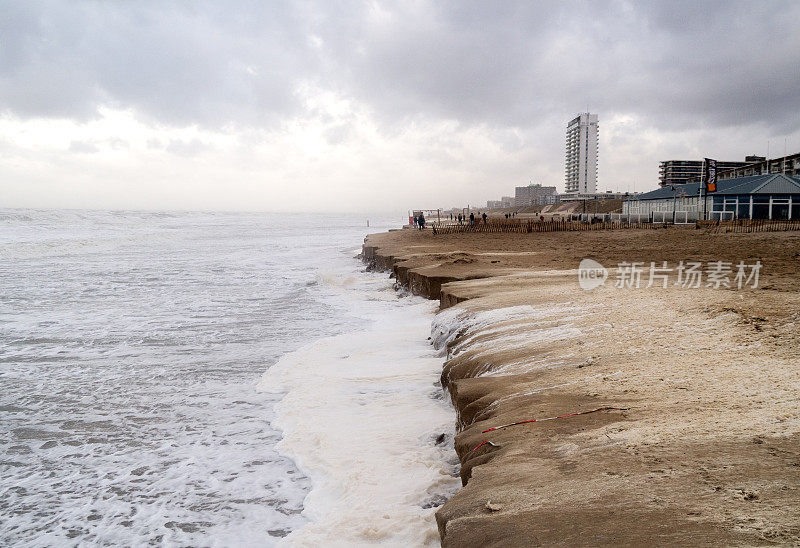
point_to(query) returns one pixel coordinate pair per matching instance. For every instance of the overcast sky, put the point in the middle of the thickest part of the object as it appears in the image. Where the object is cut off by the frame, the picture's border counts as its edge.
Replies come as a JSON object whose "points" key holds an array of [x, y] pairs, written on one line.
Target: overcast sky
{"points": [[376, 106]]}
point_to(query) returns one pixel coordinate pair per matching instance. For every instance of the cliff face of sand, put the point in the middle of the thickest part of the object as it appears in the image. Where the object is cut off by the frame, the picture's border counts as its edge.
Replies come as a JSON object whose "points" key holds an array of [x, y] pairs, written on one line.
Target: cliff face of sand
{"points": [[707, 450]]}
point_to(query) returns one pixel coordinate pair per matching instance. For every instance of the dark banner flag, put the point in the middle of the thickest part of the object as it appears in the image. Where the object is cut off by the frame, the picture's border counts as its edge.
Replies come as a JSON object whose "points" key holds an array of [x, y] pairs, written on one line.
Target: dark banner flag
{"points": [[711, 175]]}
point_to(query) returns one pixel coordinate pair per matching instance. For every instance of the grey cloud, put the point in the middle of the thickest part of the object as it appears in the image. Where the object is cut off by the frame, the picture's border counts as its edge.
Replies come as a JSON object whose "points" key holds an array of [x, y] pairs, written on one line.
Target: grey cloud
{"points": [[93, 146], [338, 134], [679, 65], [174, 63], [83, 147], [118, 144], [191, 147]]}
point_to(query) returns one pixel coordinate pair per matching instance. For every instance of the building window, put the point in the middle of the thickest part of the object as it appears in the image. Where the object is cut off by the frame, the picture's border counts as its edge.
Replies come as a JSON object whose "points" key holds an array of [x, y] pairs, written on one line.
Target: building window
{"points": [[743, 211], [760, 207], [780, 211]]}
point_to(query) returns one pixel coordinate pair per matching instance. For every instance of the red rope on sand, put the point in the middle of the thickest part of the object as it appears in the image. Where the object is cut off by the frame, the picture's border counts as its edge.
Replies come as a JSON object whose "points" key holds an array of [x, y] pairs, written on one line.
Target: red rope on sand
{"points": [[487, 442], [481, 444], [553, 418]]}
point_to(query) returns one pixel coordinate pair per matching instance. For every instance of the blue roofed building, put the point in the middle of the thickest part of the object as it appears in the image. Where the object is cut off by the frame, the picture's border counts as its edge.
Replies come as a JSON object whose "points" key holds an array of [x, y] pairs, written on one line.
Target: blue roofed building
{"points": [[775, 196]]}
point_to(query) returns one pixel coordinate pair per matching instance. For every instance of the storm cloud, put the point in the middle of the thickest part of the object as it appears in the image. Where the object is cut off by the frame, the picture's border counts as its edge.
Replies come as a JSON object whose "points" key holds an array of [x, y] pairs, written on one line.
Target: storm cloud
{"points": [[515, 72]]}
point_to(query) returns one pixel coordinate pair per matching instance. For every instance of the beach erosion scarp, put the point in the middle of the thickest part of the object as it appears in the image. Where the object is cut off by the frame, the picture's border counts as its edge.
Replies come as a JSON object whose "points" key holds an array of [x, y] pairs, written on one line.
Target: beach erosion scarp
{"points": [[678, 416]]}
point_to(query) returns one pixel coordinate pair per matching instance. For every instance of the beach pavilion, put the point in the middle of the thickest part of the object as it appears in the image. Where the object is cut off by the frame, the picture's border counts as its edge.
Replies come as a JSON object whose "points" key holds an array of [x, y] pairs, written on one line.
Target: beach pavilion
{"points": [[769, 196]]}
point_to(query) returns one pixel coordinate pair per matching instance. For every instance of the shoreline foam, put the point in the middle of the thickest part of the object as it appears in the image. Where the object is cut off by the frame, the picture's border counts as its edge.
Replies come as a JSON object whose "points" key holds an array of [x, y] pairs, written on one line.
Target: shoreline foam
{"points": [[358, 418]]}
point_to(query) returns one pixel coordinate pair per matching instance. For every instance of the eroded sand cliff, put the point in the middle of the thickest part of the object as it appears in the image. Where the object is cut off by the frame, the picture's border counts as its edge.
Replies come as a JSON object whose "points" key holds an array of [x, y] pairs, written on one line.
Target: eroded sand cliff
{"points": [[708, 451]]}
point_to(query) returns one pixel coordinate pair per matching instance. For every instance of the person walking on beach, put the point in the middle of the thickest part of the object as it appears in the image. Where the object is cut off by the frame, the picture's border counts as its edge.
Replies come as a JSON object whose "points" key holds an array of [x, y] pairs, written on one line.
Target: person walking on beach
{"points": [[421, 221], [471, 219]]}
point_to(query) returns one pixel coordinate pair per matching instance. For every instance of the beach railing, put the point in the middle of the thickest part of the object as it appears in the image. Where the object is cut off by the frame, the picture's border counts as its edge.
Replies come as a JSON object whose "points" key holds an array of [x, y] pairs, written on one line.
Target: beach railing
{"points": [[678, 217], [630, 217], [602, 217], [749, 225]]}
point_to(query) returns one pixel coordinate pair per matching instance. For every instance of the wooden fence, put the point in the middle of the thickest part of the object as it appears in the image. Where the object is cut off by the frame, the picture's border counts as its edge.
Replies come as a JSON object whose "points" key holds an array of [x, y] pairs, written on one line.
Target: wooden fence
{"points": [[527, 226], [748, 225], [524, 226]]}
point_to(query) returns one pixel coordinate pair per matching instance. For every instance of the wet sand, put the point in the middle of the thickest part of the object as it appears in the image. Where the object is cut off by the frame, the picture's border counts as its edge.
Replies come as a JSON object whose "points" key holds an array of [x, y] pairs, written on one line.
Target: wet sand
{"points": [[708, 452]]}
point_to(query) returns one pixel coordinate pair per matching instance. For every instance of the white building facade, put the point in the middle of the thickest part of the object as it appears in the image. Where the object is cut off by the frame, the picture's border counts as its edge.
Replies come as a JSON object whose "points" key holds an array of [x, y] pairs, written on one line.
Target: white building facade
{"points": [[583, 134]]}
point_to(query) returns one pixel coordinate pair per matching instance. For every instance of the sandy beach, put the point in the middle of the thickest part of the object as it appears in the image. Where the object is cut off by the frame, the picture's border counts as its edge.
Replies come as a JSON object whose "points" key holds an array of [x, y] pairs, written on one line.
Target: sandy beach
{"points": [[703, 446]]}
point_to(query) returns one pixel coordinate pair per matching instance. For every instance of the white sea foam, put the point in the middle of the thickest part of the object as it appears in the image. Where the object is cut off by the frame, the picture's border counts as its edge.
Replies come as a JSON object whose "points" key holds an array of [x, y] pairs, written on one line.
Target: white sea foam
{"points": [[130, 349], [483, 333], [462, 323], [360, 417]]}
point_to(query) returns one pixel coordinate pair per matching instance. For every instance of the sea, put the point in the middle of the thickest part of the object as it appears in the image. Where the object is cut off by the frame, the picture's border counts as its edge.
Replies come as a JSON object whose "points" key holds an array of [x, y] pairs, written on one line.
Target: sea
{"points": [[214, 379]]}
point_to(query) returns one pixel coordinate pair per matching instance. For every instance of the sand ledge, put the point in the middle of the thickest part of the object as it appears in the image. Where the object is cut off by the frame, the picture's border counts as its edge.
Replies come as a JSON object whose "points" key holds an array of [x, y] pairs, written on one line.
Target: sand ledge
{"points": [[708, 453]]}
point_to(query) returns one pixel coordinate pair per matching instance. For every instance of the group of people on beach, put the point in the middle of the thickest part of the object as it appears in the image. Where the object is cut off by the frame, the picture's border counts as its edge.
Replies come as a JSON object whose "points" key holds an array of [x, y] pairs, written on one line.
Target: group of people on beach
{"points": [[419, 220], [462, 218]]}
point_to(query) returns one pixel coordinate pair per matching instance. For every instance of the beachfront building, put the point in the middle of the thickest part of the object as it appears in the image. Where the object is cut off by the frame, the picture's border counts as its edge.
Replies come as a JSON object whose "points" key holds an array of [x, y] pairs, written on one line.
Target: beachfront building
{"points": [[504, 202], [680, 172], [607, 195], [788, 165], [583, 135], [766, 196], [535, 195]]}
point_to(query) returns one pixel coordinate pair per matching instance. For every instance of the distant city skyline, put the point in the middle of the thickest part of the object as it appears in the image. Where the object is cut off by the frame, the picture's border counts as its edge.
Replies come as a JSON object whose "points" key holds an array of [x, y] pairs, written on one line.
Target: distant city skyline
{"points": [[376, 107]]}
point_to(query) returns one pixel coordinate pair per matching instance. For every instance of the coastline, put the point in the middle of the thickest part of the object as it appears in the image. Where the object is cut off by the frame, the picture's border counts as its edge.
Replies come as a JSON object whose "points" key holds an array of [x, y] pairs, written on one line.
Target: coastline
{"points": [[706, 452], [367, 483]]}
